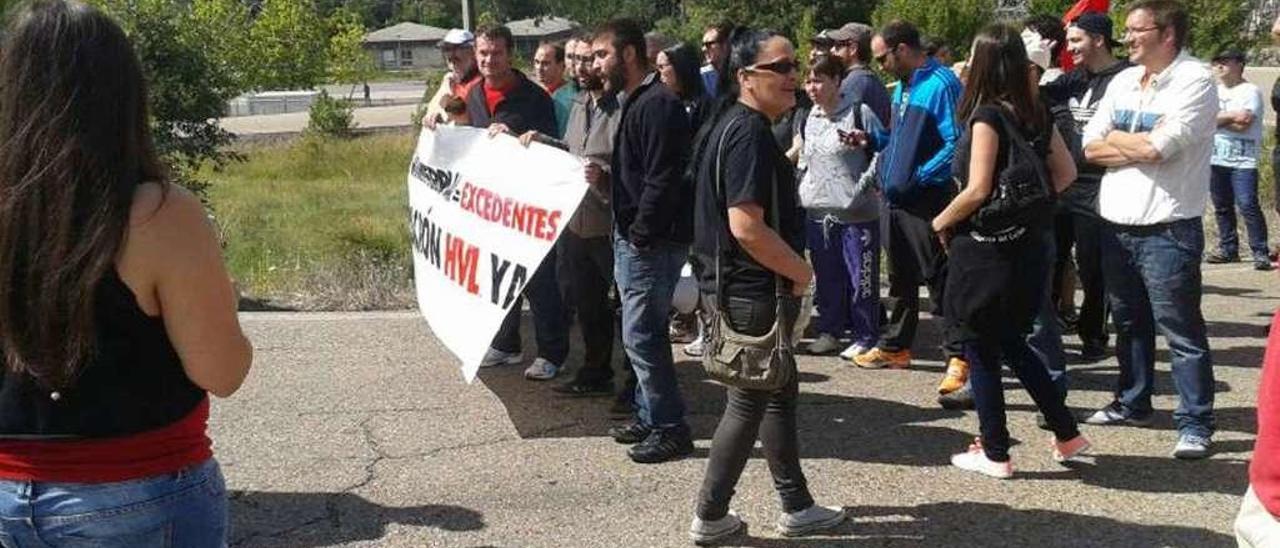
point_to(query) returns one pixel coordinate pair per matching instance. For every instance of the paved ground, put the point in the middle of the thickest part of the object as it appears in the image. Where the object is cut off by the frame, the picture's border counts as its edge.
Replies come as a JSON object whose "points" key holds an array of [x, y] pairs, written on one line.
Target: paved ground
{"points": [[357, 430]]}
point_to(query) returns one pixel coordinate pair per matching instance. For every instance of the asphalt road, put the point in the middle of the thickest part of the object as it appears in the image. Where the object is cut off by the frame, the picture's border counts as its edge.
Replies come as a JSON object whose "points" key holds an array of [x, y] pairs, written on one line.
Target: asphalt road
{"points": [[357, 430]]}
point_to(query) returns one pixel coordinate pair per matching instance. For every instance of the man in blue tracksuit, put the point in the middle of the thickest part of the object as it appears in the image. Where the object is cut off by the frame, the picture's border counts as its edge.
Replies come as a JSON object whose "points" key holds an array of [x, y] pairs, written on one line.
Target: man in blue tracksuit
{"points": [[915, 174]]}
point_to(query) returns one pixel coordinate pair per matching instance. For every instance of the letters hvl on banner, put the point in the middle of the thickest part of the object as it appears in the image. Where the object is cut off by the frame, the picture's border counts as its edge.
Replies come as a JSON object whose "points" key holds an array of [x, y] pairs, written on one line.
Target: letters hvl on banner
{"points": [[483, 213]]}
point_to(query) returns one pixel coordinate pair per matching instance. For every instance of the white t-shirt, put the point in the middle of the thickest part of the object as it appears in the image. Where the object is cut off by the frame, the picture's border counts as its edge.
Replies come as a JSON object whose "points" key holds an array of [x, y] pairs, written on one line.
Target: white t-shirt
{"points": [[1239, 149], [1179, 110]]}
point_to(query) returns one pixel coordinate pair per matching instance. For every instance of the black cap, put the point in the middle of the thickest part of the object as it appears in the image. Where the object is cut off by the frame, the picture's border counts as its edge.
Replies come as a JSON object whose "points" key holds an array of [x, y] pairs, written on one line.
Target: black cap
{"points": [[1093, 22], [1230, 55]]}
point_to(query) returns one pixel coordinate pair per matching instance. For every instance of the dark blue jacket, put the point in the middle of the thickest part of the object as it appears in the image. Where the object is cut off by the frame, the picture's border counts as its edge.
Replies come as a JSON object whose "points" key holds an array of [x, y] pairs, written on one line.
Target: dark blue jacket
{"points": [[652, 201]]}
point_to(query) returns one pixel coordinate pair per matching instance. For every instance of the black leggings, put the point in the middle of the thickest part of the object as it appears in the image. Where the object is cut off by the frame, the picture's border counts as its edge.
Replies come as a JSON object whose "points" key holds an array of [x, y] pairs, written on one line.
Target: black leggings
{"points": [[748, 414]]}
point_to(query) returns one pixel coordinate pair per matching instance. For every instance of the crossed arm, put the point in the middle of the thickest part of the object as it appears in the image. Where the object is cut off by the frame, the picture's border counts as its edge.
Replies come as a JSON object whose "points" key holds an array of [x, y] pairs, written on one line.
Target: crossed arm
{"points": [[1121, 148]]}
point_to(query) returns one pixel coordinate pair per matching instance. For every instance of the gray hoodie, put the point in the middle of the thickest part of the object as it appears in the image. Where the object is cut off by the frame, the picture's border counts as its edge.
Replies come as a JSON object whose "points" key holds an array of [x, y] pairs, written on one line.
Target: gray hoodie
{"points": [[831, 182]]}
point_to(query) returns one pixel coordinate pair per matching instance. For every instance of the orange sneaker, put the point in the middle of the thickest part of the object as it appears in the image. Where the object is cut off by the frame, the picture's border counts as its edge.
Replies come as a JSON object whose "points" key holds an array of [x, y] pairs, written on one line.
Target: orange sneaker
{"points": [[957, 375], [880, 359], [1064, 451]]}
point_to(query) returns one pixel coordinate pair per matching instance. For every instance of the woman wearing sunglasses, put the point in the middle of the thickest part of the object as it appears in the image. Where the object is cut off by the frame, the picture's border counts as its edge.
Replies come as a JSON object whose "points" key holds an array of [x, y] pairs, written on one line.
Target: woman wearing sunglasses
{"points": [[749, 231], [997, 271]]}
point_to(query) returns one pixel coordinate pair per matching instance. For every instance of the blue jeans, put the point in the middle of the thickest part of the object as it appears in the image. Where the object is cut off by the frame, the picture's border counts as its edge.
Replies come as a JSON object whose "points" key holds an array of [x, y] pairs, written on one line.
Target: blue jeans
{"points": [[647, 281], [1153, 280], [846, 267], [1231, 188], [1046, 335], [186, 509]]}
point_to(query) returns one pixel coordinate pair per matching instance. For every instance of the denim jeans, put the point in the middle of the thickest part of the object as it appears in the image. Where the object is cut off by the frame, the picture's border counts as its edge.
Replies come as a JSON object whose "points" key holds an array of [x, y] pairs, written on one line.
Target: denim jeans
{"points": [[1046, 335], [646, 280], [1153, 280], [769, 416], [186, 509], [1236, 188], [846, 268], [550, 322]]}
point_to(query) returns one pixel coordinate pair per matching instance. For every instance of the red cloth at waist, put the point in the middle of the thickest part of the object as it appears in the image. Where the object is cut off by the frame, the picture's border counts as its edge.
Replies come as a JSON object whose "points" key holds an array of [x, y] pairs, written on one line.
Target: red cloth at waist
{"points": [[1264, 471], [161, 451]]}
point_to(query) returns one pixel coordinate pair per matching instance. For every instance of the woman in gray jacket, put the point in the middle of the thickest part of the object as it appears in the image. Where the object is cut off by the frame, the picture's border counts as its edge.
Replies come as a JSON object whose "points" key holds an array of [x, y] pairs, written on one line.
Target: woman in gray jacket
{"points": [[842, 208]]}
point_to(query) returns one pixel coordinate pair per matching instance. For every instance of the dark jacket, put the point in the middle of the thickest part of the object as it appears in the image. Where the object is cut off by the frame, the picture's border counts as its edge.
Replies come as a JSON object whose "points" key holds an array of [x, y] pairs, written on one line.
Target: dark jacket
{"points": [[1080, 91], [651, 200], [526, 107]]}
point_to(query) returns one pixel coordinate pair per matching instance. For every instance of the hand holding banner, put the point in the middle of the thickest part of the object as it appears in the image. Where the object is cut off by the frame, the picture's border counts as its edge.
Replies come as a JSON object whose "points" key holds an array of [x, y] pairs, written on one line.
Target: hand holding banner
{"points": [[483, 213]]}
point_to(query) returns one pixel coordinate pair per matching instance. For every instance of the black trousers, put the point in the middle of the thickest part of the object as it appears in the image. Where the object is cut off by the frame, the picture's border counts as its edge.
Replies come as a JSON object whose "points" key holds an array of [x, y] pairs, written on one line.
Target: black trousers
{"points": [[1085, 231], [588, 266], [915, 257], [751, 414]]}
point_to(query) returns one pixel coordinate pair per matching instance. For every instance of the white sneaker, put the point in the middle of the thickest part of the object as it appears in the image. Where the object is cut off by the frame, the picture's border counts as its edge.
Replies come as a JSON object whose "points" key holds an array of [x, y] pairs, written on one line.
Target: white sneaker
{"points": [[853, 350], [541, 370], [810, 520], [1191, 447], [975, 460], [704, 533], [495, 357], [694, 349]]}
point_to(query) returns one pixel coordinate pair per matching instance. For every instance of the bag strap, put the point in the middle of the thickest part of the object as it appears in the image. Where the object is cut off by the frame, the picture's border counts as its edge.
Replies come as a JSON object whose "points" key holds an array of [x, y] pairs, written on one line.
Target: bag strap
{"points": [[1020, 143], [724, 202]]}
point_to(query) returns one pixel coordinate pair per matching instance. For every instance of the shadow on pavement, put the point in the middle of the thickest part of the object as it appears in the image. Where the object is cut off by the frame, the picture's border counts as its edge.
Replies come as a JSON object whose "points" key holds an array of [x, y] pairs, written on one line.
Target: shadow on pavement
{"points": [[952, 524], [1209, 289], [326, 519]]}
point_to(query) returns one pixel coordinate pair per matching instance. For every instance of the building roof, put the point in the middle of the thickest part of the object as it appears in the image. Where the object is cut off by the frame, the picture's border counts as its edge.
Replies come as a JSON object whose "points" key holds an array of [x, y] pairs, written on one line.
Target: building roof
{"points": [[405, 32], [540, 26]]}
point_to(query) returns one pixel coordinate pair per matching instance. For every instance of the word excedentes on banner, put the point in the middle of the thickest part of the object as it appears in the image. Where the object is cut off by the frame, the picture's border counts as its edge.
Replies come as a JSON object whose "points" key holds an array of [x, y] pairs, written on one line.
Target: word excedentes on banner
{"points": [[460, 261], [486, 204]]}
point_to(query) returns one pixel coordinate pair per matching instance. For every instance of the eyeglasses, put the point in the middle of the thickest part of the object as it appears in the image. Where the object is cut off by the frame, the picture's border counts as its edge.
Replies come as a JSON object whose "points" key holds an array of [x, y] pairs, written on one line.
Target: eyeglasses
{"points": [[881, 58], [1128, 31], [783, 67]]}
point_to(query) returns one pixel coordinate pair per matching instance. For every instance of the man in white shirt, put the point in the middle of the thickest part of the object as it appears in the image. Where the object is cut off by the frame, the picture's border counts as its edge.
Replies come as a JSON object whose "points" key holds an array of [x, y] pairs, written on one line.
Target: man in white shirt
{"points": [[1236, 147], [1153, 132]]}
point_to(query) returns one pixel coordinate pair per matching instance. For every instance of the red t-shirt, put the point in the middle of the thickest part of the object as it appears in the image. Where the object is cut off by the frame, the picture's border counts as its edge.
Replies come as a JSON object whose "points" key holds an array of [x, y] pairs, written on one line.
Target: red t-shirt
{"points": [[161, 451], [462, 89], [1264, 471], [494, 96]]}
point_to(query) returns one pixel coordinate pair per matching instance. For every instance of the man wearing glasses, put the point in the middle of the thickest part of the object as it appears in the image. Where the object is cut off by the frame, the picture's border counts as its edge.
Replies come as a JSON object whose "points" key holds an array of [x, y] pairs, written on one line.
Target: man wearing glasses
{"points": [[915, 175], [715, 51], [1153, 131], [459, 52]]}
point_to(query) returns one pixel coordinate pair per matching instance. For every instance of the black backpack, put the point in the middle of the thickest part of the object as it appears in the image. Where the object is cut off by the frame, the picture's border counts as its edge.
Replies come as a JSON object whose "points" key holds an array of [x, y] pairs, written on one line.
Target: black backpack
{"points": [[1023, 192]]}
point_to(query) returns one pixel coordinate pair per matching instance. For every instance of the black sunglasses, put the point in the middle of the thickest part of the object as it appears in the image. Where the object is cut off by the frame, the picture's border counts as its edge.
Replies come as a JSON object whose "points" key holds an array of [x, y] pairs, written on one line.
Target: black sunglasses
{"points": [[783, 67]]}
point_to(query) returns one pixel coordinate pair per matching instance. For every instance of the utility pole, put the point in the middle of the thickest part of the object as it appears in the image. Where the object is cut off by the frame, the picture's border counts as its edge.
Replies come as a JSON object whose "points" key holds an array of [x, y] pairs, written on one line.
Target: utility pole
{"points": [[469, 15]]}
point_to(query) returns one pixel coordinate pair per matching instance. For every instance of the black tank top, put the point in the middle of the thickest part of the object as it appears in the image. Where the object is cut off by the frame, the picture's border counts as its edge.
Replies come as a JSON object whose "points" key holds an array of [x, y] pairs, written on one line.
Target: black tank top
{"points": [[134, 383]]}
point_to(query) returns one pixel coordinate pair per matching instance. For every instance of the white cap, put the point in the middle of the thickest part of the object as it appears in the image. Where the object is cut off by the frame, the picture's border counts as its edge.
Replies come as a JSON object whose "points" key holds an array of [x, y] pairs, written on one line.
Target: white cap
{"points": [[1037, 48], [459, 37]]}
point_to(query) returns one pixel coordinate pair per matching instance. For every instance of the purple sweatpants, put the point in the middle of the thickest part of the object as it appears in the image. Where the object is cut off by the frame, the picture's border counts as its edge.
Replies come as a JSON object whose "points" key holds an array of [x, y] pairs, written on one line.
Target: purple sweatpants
{"points": [[846, 265]]}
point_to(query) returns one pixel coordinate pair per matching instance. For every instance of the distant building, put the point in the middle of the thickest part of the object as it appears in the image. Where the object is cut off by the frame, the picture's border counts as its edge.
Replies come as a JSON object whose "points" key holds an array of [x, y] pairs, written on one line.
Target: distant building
{"points": [[405, 46], [529, 32]]}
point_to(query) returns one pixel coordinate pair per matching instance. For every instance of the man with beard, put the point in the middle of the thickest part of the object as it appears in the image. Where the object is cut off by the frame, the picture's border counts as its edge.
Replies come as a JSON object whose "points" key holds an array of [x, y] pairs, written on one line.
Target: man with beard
{"points": [[653, 227], [458, 49]]}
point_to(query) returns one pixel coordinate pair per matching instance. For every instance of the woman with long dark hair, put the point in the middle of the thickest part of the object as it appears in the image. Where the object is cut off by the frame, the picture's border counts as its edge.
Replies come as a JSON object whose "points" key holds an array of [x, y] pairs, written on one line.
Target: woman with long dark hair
{"points": [[116, 313], [678, 69], [997, 271], [749, 237]]}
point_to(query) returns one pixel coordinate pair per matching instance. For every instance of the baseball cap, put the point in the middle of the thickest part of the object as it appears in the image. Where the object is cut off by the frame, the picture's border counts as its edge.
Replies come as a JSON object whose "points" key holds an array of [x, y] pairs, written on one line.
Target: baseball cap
{"points": [[1093, 22], [822, 39], [459, 37], [849, 32], [1230, 55]]}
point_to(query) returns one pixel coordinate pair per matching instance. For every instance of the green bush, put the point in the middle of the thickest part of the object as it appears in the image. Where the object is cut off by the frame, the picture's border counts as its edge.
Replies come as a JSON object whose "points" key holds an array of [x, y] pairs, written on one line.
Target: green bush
{"points": [[330, 116]]}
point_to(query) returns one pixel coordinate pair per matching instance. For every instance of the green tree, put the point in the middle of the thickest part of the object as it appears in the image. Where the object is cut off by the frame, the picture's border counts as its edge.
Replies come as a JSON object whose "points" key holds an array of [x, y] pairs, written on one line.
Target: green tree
{"points": [[1215, 24], [347, 60], [955, 22], [189, 85], [289, 42]]}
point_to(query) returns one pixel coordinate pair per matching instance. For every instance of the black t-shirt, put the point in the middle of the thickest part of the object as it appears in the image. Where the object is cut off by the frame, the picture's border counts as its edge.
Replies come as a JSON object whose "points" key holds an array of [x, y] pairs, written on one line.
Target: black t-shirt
{"points": [[991, 115], [755, 170]]}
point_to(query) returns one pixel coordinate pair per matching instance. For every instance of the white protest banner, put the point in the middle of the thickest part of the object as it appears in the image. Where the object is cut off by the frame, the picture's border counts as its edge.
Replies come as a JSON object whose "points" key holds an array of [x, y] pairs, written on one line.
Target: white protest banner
{"points": [[483, 212]]}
